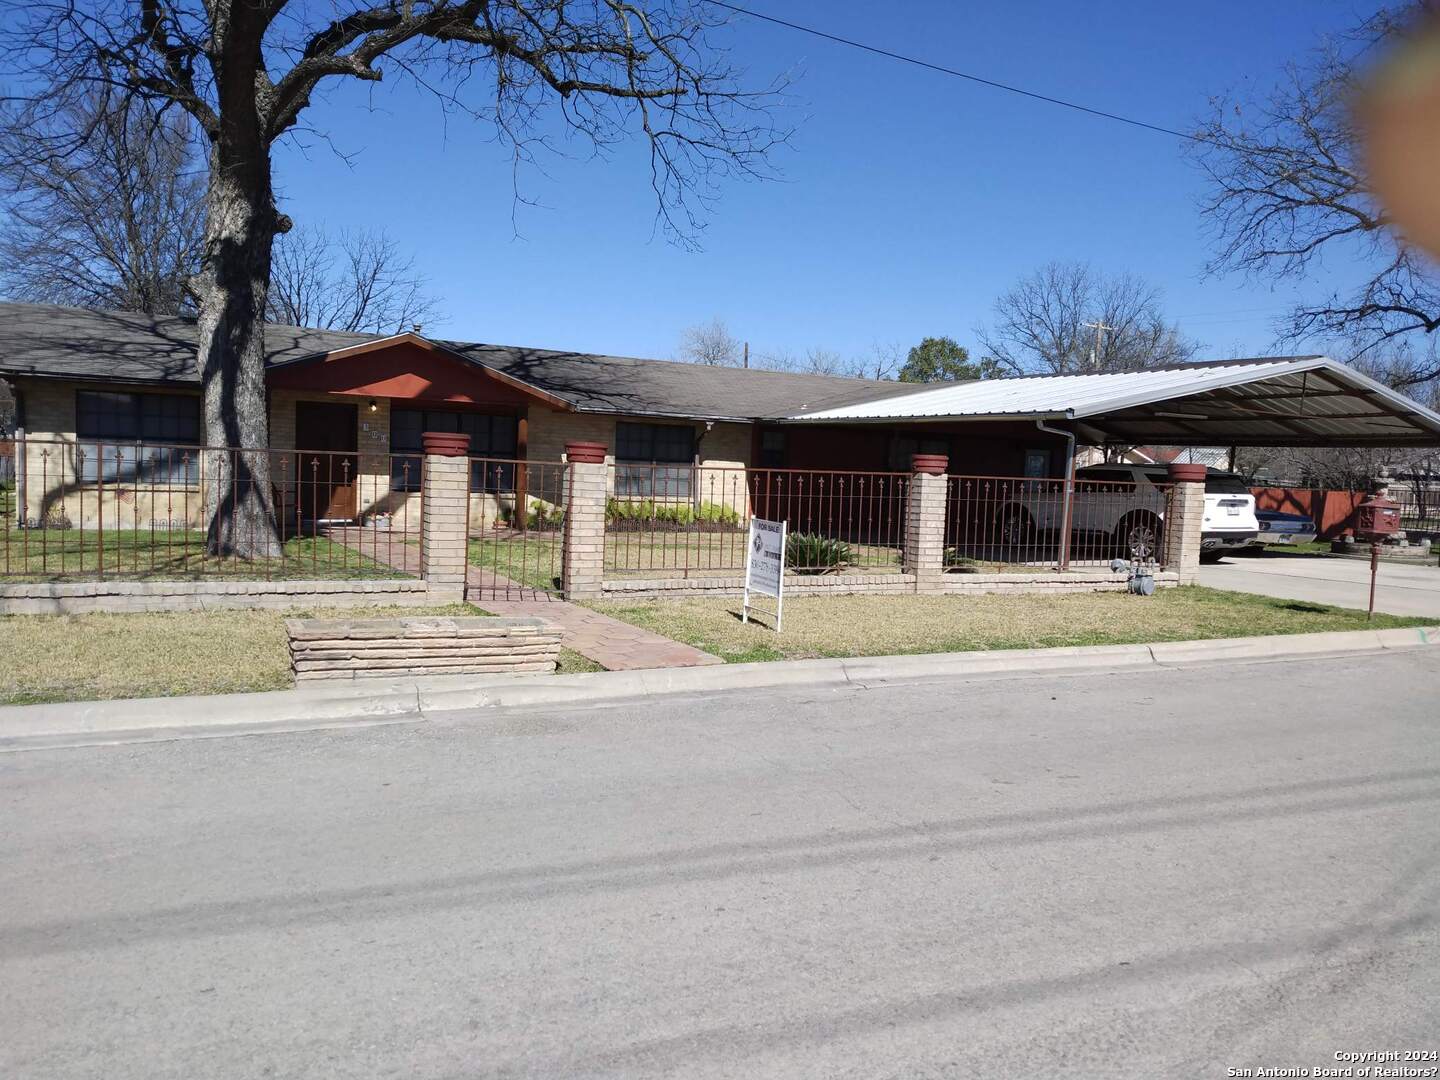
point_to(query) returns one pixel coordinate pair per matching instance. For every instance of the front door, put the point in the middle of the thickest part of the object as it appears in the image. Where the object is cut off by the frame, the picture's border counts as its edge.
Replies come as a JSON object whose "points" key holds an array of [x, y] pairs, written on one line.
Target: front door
{"points": [[325, 436]]}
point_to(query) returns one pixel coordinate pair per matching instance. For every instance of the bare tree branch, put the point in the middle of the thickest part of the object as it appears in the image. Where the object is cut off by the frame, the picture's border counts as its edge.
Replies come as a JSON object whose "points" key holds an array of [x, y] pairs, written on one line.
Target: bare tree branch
{"points": [[359, 281], [1287, 187], [116, 226], [1046, 323]]}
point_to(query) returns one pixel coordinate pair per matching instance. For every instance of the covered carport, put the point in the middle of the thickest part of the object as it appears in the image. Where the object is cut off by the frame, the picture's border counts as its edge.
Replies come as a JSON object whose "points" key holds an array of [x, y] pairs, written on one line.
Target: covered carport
{"points": [[1297, 401], [1265, 401]]}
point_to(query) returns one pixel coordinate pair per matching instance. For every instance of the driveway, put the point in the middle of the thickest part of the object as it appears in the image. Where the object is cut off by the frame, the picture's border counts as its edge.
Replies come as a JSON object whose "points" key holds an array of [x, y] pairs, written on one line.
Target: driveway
{"points": [[1402, 590], [1168, 873]]}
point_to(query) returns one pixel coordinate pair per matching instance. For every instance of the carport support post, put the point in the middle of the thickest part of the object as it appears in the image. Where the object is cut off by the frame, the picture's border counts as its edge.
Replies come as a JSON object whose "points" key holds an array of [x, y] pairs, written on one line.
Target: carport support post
{"points": [[585, 474], [925, 521], [445, 513], [1184, 511]]}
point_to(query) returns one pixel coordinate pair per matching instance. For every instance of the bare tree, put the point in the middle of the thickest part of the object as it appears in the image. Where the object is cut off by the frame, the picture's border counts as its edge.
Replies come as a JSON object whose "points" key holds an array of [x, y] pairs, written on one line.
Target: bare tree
{"points": [[247, 72], [1067, 318], [116, 224], [710, 344], [883, 362], [360, 282], [821, 361], [815, 360], [1287, 185]]}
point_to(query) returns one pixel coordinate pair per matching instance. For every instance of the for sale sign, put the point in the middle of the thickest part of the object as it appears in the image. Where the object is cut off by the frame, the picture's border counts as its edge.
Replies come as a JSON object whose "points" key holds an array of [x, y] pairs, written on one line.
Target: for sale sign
{"points": [[765, 566]]}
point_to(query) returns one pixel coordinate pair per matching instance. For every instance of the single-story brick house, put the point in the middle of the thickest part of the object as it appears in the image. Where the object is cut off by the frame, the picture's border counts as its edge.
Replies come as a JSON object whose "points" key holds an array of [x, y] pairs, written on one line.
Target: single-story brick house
{"points": [[124, 379]]}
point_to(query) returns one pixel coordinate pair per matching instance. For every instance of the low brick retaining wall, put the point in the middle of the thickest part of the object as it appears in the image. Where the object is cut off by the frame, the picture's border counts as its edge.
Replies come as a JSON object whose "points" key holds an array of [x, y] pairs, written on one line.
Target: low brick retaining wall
{"points": [[1045, 583], [398, 648], [82, 597]]}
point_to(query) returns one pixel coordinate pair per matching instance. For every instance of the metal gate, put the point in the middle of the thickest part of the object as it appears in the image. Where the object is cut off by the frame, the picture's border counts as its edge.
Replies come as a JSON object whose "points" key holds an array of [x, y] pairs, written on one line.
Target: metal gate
{"points": [[516, 529]]}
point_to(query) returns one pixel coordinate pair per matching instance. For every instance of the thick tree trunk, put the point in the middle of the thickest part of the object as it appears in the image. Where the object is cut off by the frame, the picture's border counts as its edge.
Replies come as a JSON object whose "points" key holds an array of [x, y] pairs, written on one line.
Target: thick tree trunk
{"points": [[232, 284]]}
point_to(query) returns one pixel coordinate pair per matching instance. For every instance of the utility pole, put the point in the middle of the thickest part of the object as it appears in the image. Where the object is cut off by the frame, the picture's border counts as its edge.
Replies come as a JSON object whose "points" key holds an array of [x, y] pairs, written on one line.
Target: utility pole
{"points": [[1099, 327], [747, 354]]}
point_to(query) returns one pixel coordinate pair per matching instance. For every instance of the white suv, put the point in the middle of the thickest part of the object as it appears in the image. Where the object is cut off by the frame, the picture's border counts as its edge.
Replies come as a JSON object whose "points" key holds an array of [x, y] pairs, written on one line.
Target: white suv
{"points": [[1124, 506]]}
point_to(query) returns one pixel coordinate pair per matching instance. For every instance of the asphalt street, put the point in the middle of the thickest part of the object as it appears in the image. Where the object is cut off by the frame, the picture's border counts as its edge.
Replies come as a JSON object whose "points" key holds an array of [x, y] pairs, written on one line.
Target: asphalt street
{"points": [[1146, 874]]}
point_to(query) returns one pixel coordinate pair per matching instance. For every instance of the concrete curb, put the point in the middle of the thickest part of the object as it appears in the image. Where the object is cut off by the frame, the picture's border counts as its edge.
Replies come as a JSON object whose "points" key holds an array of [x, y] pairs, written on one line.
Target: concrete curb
{"points": [[25, 727]]}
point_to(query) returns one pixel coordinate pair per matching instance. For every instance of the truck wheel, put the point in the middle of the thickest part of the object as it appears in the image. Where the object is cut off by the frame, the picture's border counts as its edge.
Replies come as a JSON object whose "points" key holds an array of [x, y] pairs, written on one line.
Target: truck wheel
{"points": [[1138, 535]]}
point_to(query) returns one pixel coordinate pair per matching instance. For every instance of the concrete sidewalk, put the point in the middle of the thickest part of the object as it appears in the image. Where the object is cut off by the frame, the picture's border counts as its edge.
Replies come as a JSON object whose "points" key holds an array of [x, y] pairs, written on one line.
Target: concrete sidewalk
{"points": [[375, 701], [1400, 590]]}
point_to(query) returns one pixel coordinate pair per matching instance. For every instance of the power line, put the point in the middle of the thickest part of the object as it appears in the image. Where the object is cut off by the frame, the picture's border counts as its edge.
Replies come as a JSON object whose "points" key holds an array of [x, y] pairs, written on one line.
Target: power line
{"points": [[837, 39]]}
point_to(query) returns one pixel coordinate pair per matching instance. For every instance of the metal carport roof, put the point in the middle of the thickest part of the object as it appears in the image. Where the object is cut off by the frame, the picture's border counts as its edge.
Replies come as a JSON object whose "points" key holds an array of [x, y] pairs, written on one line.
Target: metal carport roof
{"points": [[1266, 401]]}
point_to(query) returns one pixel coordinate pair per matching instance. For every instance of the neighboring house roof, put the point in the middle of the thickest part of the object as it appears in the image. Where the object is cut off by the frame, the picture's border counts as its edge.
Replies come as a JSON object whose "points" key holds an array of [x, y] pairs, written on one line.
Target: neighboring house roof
{"points": [[59, 342], [1265, 401]]}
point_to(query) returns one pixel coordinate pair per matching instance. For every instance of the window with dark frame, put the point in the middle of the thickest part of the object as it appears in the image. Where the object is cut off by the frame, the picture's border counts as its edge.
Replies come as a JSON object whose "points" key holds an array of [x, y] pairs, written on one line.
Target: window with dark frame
{"points": [[491, 436], [772, 449], [653, 461], [137, 438]]}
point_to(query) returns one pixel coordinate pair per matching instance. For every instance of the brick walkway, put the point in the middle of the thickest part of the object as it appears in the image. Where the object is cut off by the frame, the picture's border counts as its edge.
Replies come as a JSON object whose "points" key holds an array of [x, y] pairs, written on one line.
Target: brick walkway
{"points": [[614, 645]]}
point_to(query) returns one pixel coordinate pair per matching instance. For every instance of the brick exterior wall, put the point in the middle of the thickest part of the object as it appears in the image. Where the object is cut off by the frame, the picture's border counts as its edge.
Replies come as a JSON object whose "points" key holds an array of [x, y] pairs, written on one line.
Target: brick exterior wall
{"points": [[924, 557], [80, 598], [444, 535], [1183, 516], [1051, 583], [584, 530], [51, 473]]}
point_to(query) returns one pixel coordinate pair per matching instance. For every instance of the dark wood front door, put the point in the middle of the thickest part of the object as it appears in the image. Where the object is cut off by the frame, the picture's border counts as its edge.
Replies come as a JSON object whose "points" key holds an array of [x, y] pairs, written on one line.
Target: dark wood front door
{"points": [[325, 437]]}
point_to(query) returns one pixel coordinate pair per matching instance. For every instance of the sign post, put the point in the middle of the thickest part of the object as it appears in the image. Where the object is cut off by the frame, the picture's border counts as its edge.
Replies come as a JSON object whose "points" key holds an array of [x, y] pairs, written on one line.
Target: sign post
{"points": [[765, 567]]}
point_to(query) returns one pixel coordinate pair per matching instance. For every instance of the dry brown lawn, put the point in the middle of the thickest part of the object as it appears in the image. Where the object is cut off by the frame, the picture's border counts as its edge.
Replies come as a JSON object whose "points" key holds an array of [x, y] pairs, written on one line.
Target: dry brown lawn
{"points": [[885, 625], [162, 654]]}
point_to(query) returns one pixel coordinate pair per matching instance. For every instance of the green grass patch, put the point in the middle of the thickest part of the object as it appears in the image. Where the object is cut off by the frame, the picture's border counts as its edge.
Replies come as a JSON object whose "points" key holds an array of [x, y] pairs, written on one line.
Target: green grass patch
{"points": [[886, 625], [573, 663], [532, 559]]}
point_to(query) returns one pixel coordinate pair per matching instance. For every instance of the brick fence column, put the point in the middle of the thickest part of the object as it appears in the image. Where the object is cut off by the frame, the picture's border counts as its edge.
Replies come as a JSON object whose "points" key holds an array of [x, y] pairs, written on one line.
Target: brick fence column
{"points": [[925, 521], [1183, 515], [585, 489], [445, 514]]}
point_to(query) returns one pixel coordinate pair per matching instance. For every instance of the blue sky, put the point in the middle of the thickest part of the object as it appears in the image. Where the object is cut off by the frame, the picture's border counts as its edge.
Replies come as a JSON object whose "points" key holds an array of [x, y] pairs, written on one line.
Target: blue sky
{"points": [[909, 200]]}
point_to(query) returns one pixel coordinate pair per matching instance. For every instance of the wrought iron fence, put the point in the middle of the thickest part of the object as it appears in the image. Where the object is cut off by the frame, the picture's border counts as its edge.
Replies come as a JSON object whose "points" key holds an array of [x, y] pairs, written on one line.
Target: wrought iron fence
{"points": [[1419, 504], [516, 528], [96, 510], [694, 525], [999, 521]]}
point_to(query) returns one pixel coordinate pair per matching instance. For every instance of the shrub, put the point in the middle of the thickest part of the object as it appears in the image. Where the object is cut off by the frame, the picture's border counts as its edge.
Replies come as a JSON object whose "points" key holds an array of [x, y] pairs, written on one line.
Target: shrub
{"points": [[541, 516], [682, 515], [807, 553], [960, 563]]}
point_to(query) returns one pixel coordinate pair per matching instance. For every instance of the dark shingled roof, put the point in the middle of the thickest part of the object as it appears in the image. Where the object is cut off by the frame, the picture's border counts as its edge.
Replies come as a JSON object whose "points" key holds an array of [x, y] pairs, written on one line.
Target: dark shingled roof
{"points": [[70, 343]]}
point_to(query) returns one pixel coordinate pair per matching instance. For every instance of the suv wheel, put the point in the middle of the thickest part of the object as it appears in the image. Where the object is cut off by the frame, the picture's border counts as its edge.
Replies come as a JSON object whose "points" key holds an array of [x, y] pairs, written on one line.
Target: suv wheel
{"points": [[1138, 536], [1016, 528]]}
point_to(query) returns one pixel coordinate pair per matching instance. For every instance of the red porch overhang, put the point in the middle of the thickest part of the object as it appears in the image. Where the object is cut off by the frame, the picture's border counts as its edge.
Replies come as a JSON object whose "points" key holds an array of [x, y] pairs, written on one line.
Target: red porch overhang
{"points": [[409, 367]]}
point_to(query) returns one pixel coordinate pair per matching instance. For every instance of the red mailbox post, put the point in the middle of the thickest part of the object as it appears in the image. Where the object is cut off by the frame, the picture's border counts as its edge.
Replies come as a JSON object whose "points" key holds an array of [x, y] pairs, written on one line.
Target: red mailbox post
{"points": [[1376, 520]]}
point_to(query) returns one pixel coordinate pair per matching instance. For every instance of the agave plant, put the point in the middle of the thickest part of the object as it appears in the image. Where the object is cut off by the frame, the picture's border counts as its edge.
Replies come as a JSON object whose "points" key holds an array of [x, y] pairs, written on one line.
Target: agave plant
{"points": [[808, 553]]}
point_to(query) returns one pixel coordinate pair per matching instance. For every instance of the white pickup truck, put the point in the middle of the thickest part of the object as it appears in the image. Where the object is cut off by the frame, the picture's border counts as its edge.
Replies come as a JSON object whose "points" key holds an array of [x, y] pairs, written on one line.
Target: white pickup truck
{"points": [[1124, 505]]}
